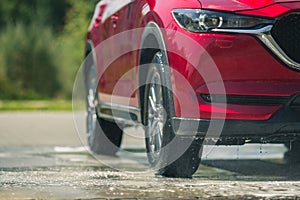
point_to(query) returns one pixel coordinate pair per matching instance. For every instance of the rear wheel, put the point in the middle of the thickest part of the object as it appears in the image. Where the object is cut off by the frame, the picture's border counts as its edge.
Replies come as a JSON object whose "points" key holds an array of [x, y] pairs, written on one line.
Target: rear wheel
{"points": [[169, 154], [104, 137]]}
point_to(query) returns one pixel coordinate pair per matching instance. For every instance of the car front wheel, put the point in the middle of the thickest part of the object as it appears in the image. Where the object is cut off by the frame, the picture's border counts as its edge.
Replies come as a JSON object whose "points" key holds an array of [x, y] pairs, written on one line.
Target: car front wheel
{"points": [[170, 155]]}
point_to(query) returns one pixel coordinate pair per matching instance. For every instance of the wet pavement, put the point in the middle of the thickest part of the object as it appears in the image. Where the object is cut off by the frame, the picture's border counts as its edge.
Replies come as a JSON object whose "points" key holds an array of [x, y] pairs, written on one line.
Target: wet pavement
{"points": [[41, 170], [72, 173]]}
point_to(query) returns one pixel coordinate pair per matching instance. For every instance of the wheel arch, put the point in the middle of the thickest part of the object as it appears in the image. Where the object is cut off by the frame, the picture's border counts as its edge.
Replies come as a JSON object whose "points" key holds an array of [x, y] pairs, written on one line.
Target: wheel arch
{"points": [[89, 59], [89, 47], [89, 51], [152, 42]]}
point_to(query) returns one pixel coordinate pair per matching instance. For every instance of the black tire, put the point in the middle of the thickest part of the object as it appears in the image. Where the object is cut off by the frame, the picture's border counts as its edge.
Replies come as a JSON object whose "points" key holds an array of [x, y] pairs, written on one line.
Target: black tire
{"points": [[169, 154], [104, 137], [292, 156]]}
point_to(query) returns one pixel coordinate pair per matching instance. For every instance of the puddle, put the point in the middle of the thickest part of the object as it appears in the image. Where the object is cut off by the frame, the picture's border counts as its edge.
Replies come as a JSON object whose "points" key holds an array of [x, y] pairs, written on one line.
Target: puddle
{"points": [[70, 172]]}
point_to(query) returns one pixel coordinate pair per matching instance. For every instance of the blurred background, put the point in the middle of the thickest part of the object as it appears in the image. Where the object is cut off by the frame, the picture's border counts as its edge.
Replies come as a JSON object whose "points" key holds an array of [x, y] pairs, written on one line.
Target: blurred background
{"points": [[42, 47]]}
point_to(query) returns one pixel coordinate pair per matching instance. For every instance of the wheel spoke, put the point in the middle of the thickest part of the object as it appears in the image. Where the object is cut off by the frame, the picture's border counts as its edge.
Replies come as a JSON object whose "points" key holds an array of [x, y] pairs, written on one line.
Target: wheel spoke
{"points": [[153, 94], [158, 138], [150, 116], [152, 104], [91, 100], [153, 128], [156, 116]]}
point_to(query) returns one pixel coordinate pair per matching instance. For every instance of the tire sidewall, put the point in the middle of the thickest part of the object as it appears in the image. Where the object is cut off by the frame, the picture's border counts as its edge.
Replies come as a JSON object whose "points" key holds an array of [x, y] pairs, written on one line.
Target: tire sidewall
{"points": [[158, 65]]}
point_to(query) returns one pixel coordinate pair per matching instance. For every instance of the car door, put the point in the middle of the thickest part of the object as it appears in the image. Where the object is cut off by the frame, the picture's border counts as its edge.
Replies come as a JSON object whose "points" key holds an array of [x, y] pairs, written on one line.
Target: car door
{"points": [[119, 79], [99, 31], [123, 45]]}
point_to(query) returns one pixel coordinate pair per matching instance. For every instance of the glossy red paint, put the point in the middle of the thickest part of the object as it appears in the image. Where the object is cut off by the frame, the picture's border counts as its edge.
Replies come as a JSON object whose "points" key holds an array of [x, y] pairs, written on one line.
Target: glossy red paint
{"points": [[245, 65], [247, 68], [275, 10], [239, 5]]}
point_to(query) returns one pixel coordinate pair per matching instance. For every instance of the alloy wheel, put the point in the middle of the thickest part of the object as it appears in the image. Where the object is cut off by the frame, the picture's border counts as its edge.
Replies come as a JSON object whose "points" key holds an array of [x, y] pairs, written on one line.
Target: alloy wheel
{"points": [[156, 118], [91, 100]]}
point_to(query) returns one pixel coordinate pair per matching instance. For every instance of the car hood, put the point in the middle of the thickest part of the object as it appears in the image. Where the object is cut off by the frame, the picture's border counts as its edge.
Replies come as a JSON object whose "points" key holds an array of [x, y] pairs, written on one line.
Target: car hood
{"points": [[239, 5]]}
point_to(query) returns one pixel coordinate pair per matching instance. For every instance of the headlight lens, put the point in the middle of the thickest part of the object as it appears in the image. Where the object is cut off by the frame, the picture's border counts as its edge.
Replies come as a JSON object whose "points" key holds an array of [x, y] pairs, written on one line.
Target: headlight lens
{"points": [[198, 20]]}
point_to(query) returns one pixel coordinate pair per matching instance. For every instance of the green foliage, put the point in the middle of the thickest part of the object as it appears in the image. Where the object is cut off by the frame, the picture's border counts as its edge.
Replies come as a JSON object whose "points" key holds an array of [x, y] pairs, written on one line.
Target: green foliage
{"points": [[35, 105], [42, 46], [72, 41], [30, 61], [49, 12]]}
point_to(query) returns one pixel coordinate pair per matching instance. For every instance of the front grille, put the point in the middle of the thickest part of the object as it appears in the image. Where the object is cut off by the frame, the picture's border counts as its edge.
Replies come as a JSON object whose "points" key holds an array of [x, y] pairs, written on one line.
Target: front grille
{"points": [[286, 32]]}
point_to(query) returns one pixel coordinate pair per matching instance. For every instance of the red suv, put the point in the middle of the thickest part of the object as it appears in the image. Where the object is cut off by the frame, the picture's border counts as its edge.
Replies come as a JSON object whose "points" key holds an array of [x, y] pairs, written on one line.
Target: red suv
{"points": [[193, 72]]}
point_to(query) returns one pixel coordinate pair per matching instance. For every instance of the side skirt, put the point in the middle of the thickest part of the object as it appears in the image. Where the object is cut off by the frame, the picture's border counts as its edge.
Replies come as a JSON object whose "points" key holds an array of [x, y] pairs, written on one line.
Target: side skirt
{"points": [[125, 114]]}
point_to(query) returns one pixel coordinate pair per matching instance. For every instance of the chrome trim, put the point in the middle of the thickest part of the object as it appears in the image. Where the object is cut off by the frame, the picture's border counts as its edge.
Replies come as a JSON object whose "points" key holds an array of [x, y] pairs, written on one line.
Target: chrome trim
{"points": [[245, 31], [117, 109], [269, 41], [264, 34]]}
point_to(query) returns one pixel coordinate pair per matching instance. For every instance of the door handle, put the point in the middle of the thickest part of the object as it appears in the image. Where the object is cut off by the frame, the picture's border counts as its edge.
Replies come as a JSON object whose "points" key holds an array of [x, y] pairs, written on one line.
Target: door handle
{"points": [[98, 21], [114, 20]]}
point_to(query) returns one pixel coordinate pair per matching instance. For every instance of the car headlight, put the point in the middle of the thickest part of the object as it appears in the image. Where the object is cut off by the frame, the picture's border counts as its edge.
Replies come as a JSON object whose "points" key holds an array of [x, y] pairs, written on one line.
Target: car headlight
{"points": [[198, 20]]}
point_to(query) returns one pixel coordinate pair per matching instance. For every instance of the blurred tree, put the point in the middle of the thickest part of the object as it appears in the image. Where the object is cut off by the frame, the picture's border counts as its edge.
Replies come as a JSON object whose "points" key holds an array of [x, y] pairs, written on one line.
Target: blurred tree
{"points": [[30, 64], [48, 12], [42, 46], [72, 40]]}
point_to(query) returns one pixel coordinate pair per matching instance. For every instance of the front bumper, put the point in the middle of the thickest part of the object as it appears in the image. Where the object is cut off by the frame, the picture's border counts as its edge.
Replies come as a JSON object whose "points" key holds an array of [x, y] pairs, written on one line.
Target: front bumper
{"points": [[282, 127], [230, 62]]}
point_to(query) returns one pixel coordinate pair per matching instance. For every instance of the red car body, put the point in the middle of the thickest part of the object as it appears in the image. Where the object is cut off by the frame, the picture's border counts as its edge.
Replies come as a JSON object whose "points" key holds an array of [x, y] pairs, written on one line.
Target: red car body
{"points": [[261, 86]]}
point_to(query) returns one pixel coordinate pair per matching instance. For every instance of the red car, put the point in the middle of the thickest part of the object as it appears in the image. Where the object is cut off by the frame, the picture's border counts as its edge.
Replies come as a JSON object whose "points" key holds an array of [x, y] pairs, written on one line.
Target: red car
{"points": [[193, 72]]}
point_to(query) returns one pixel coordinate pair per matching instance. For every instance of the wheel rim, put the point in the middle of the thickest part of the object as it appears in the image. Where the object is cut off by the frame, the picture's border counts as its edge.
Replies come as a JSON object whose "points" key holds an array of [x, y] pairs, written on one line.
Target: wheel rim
{"points": [[91, 100], [156, 118]]}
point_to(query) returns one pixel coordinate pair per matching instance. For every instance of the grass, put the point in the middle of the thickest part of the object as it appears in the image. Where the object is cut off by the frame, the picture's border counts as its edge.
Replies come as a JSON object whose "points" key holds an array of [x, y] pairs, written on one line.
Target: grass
{"points": [[35, 105]]}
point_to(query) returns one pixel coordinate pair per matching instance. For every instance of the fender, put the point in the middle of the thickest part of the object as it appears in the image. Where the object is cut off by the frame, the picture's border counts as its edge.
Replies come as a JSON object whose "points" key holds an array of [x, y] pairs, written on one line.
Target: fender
{"points": [[151, 4], [152, 42]]}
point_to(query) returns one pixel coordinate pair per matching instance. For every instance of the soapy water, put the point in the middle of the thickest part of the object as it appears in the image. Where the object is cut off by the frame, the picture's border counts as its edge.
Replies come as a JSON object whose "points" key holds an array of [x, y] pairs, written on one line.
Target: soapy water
{"points": [[71, 172]]}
